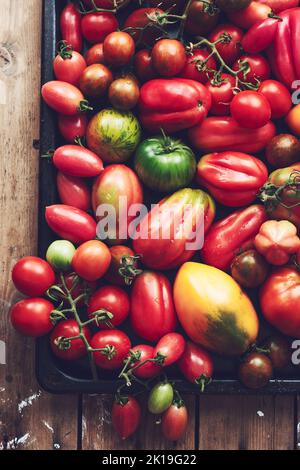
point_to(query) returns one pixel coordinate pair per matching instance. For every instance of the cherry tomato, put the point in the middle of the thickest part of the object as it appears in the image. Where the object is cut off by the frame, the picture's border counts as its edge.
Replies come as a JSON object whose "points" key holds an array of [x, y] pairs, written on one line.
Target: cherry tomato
{"points": [[113, 299], [68, 66], [72, 127], [126, 417], [196, 365], [160, 398], [256, 371], [91, 260], [199, 22], [119, 48], [249, 269], [279, 351], [95, 81], [143, 65], [73, 191], [171, 346], [74, 160], [124, 93], [257, 68], [95, 55], [33, 276], [168, 57], [150, 369], [60, 254], [293, 120], [221, 94], [249, 16], [279, 97], [31, 317], [175, 422], [142, 24], [250, 109], [70, 26], [97, 26], [76, 349], [122, 257], [77, 286], [230, 49], [283, 150], [116, 346], [195, 62], [64, 98]]}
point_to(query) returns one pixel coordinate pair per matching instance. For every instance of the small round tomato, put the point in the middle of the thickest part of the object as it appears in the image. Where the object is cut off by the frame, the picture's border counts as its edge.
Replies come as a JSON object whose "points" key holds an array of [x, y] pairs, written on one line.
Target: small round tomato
{"points": [[77, 287], [64, 98], [279, 351], [250, 15], [293, 120], [72, 127], [116, 347], [283, 150], [113, 300], [95, 55], [255, 371], [91, 260], [168, 57], [279, 97], [175, 421], [32, 317], [97, 26], [170, 347], [250, 109], [143, 65], [198, 66], [33, 276], [73, 191], [126, 417], [249, 269], [160, 398], [230, 49], [124, 259], [222, 93], [196, 365], [199, 21], [68, 66], [255, 68], [65, 348], [119, 48], [148, 370], [124, 93], [95, 81], [60, 254], [143, 24]]}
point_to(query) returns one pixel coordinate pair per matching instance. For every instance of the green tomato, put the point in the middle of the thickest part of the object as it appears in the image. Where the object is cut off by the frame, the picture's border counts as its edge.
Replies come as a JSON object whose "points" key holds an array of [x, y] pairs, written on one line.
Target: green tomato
{"points": [[165, 164], [160, 398], [60, 255]]}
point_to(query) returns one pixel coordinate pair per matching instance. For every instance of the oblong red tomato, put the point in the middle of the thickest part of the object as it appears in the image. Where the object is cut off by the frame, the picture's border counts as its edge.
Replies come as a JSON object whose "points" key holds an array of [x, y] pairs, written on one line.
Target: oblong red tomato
{"points": [[64, 98], [232, 178], [74, 160], [170, 234], [71, 224], [73, 192], [70, 27], [196, 365], [174, 422], [232, 235], [152, 309], [72, 127], [171, 347], [126, 417]]}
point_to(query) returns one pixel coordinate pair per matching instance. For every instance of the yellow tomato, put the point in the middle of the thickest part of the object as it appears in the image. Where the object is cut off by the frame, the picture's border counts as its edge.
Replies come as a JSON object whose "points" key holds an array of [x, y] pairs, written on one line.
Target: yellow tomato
{"points": [[293, 119]]}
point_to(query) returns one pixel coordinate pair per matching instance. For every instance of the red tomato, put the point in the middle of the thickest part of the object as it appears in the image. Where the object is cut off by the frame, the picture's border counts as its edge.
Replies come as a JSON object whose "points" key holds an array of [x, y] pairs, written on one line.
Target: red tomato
{"points": [[199, 22], [259, 68], [71, 224], [278, 96], [249, 16], [250, 109], [31, 317], [70, 26], [72, 127], [77, 288], [150, 369], [171, 346], [97, 26], [126, 417], [73, 191], [69, 69], [280, 5], [74, 160], [33, 276], [95, 81], [195, 62], [114, 300], [69, 329], [221, 94], [143, 65], [144, 18], [119, 48], [196, 365], [64, 98], [122, 257], [152, 308], [91, 260], [174, 422], [95, 55], [168, 57], [228, 50], [116, 347]]}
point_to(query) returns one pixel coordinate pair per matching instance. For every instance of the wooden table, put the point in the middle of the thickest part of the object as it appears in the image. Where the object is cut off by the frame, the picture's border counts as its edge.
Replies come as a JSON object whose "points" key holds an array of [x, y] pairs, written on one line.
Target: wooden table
{"points": [[29, 417]]}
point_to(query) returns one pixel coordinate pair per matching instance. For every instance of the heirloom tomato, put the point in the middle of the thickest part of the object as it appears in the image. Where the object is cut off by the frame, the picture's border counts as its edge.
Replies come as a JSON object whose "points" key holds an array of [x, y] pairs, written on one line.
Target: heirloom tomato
{"points": [[32, 317], [74, 160], [124, 93], [63, 346], [118, 49], [123, 267], [126, 417], [222, 93], [283, 150], [95, 81], [115, 347], [202, 18], [230, 48], [73, 191], [143, 65], [170, 348], [277, 241], [168, 57], [250, 109], [175, 421], [95, 55], [278, 350], [249, 269], [91, 260], [97, 26], [72, 127], [33, 276], [64, 98], [199, 66], [160, 398], [113, 300], [196, 365], [149, 370], [255, 371]]}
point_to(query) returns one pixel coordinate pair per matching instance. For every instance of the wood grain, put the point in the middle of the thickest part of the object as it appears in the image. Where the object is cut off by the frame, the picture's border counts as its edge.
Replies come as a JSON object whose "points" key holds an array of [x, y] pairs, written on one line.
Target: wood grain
{"points": [[30, 418]]}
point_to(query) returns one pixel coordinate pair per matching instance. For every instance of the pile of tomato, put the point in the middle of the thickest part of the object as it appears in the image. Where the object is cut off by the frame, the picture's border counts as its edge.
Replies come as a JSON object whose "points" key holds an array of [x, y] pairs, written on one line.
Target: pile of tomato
{"points": [[189, 102]]}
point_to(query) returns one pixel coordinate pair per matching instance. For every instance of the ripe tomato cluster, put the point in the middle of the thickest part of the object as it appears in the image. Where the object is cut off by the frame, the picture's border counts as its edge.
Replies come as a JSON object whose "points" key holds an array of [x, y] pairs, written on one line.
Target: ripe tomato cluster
{"points": [[199, 96]]}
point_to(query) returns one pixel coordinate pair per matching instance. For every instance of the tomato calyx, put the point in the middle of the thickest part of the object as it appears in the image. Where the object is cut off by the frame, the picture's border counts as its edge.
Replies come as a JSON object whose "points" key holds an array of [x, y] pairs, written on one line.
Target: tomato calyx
{"points": [[84, 106], [203, 381], [117, 4], [101, 316], [272, 195], [65, 51], [274, 16], [128, 269]]}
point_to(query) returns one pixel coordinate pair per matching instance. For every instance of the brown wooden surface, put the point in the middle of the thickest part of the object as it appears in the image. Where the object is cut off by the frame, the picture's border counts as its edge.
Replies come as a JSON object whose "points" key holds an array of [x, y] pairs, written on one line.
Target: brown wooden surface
{"points": [[29, 417]]}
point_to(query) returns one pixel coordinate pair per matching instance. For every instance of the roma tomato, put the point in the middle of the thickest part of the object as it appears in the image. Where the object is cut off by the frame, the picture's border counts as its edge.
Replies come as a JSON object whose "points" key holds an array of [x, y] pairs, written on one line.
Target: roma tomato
{"points": [[123, 267], [168, 57], [278, 96], [124, 93], [118, 48], [91, 260], [95, 81], [280, 301], [116, 346], [70, 26], [255, 68], [199, 21], [198, 66], [249, 269], [64, 98], [33, 276], [175, 421], [74, 160], [95, 55], [112, 299], [68, 66], [250, 109], [249, 16], [152, 308], [255, 371], [160, 398], [72, 127], [170, 347], [229, 49], [149, 370], [97, 26], [73, 191], [196, 365], [144, 23], [283, 150], [293, 119], [71, 224], [143, 65], [61, 344], [222, 94], [233, 178], [32, 317], [126, 417]]}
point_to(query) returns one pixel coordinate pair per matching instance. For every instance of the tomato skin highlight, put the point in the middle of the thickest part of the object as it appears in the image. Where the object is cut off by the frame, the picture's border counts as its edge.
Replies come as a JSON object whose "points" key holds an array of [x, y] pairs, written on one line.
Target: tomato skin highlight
{"points": [[33, 276], [73, 192], [69, 329], [72, 127], [175, 422], [126, 417], [114, 300], [91, 260], [70, 25], [31, 317], [113, 338], [74, 160]]}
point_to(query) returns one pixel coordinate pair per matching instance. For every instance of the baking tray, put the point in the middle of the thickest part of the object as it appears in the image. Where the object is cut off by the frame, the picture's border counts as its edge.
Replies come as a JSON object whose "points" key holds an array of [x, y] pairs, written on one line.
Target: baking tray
{"points": [[57, 376]]}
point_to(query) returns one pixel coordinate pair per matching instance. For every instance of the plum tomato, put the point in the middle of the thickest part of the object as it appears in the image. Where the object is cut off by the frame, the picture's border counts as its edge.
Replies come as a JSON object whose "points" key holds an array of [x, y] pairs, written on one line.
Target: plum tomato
{"points": [[68, 66], [126, 417], [97, 26], [72, 127], [175, 421], [170, 347], [160, 398]]}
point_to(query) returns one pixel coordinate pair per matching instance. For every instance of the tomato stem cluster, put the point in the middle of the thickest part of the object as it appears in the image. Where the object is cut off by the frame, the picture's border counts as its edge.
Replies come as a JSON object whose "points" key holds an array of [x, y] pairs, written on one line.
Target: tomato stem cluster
{"points": [[272, 195]]}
